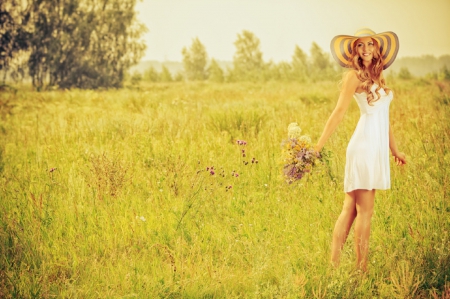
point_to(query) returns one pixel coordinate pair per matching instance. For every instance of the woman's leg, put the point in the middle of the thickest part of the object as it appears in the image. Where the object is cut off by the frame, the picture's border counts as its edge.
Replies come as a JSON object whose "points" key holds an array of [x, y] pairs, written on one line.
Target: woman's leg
{"points": [[342, 227], [364, 210]]}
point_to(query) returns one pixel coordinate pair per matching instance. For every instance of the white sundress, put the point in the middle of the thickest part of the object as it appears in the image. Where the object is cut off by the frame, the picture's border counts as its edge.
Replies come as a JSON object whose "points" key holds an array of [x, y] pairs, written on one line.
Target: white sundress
{"points": [[367, 159]]}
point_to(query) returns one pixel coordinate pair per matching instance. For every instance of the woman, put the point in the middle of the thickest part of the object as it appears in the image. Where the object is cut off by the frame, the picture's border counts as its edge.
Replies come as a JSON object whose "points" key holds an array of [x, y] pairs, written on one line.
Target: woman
{"points": [[367, 158]]}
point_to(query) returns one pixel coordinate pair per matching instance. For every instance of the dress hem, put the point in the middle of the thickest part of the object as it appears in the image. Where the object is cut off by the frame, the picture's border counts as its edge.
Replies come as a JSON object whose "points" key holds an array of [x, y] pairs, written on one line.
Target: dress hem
{"points": [[384, 188]]}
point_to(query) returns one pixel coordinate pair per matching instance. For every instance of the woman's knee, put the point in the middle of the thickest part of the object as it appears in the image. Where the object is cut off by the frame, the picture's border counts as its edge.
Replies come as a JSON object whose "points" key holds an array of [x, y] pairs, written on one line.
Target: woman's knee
{"points": [[348, 209], [364, 212]]}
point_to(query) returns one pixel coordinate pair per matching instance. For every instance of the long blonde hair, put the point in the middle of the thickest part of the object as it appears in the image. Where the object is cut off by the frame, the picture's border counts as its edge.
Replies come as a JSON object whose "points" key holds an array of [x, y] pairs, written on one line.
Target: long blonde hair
{"points": [[365, 75]]}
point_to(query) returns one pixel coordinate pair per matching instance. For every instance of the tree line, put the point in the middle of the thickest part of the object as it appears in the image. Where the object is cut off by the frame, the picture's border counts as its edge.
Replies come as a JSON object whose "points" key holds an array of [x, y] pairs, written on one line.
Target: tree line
{"points": [[81, 44], [248, 65]]}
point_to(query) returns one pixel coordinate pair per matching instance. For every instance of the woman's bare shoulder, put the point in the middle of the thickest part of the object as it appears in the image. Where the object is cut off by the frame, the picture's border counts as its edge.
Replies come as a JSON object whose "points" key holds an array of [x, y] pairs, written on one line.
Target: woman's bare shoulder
{"points": [[351, 79], [351, 75]]}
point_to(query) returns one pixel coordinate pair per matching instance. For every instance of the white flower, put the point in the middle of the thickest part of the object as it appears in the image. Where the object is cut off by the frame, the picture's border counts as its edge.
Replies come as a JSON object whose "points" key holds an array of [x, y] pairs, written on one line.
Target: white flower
{"points": [[142, 218], [294, 130], [306, 139], [292, 125]]}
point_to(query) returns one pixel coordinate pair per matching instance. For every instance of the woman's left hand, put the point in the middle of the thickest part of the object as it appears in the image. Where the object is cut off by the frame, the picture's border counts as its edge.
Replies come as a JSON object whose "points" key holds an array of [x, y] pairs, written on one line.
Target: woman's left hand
{"points": [[400, 158]]}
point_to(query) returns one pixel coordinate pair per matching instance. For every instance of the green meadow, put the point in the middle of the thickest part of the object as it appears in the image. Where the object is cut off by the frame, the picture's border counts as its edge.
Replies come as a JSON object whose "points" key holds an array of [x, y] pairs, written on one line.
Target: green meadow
{"points": [[110, 194]]}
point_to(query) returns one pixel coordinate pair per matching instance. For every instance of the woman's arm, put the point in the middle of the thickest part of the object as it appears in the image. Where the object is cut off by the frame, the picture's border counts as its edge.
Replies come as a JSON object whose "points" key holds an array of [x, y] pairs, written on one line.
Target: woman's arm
{"points": [[399, 157], [350, 84]]}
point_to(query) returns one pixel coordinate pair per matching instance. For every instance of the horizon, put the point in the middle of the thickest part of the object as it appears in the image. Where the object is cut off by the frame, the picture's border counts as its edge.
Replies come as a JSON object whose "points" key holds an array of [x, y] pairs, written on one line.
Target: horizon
{"points": [[231, 61]]}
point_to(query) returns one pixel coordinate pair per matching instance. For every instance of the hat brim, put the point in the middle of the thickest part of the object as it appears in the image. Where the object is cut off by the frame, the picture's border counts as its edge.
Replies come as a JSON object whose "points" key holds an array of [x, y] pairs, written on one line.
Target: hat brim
{"points": [[341, 47]]}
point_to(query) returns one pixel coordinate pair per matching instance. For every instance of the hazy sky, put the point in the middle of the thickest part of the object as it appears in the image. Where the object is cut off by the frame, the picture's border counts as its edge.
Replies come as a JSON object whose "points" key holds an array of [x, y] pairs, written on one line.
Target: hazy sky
{"points": [[423, 26]]}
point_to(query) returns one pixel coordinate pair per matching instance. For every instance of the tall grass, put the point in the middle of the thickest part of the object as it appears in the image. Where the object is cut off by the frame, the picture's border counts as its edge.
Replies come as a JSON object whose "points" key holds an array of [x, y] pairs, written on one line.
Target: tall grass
{"points": [[146, 194]]}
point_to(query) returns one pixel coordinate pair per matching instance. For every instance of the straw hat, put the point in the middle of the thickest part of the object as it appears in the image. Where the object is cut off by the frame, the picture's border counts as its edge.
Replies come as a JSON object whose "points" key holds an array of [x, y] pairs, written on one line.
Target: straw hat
{"points": [[341, 46]]}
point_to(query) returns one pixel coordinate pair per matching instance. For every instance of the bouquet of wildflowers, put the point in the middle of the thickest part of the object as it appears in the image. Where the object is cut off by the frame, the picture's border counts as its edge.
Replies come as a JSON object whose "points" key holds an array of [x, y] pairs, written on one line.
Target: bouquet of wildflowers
{"points": [[298, 154]]}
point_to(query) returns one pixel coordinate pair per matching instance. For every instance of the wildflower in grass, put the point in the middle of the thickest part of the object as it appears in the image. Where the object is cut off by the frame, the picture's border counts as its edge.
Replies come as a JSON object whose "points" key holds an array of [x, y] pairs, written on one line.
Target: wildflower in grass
{"points": [[294, 131], [244, 154], [142, 218], [298, 154], [306, 139], [243, 150]]}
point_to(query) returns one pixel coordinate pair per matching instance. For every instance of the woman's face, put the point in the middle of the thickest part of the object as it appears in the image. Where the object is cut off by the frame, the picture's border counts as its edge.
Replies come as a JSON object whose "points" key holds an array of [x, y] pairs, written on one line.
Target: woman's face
{"points": [[365, 48]]}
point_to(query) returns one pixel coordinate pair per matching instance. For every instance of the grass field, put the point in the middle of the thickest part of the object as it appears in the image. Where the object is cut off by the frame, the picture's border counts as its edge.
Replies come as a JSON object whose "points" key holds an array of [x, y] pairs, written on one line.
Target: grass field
{"points": [[106, 194]]}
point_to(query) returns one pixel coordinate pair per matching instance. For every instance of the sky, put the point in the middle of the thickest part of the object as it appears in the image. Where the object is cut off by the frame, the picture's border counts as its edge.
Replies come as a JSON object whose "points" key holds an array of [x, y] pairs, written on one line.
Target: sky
{"points": [[423, 26]]}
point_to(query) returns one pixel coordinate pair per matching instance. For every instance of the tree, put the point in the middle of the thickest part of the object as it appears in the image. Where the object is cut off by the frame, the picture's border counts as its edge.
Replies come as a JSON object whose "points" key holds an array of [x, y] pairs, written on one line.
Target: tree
{"points": [[166, 76], [82, 44], [215, 72], [247, 61], [299, 64], [404, 73], [178, 77], [444, 73], [151, 75], [194, 61], [283, 71], [136, 78], [321, 67], [14, 32]]}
